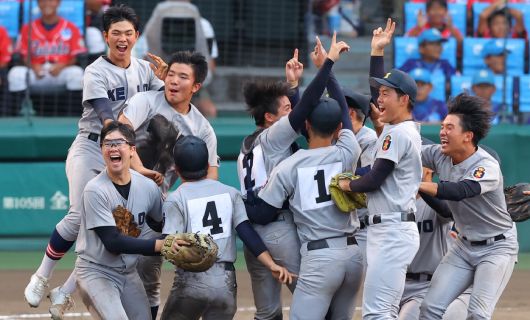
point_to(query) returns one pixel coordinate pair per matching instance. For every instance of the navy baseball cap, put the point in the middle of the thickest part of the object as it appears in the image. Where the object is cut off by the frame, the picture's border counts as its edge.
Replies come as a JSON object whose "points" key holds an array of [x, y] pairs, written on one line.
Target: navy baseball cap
{"points": [[431, 35], [191, 157], [357, 101], [397, 79], [483, 76], [326, 116], [494, 48], [421, 75]]}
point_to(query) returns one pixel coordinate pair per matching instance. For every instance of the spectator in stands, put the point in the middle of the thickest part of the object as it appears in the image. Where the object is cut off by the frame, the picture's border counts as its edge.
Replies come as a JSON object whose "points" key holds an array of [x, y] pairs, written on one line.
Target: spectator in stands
{"points": [[437, 17], [483, 85], [430, 48], [55, 43], [94, 27], [494, 54], [471, 2], [6, 51], [495, 21], [426, 108]]}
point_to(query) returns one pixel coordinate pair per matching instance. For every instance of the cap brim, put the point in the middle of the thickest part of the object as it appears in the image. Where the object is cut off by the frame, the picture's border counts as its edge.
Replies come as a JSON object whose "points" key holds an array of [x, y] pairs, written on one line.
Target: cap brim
{"points": [[377, 82], [433, 41]]}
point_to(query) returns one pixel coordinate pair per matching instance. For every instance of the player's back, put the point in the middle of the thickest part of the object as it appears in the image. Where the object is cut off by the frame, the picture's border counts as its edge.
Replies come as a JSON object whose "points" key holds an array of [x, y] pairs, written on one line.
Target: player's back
{"points": [[304, 179], [210, 207]]}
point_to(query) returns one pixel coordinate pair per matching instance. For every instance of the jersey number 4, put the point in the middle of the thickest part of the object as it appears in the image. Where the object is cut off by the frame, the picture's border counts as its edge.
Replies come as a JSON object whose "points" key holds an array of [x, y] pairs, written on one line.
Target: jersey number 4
{"points": [[211, 219]]}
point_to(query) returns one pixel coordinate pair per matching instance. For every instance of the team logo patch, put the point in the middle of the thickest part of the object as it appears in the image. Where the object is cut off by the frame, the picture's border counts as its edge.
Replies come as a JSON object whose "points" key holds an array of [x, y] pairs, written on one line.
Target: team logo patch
{"points": [[479, 172], [66, 34], [387, 142]]}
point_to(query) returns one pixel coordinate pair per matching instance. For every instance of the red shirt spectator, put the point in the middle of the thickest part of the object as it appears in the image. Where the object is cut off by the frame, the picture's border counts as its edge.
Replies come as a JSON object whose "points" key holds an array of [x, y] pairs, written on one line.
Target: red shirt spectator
{"points": [[60, 44], [6, 48]]}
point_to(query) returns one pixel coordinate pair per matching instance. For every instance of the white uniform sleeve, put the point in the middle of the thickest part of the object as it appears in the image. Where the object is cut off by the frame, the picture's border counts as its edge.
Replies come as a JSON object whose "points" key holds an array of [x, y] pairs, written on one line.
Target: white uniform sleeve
{"points": [[350, 149], [155, 211], [486, 173], [209, 34], [428, 156], [174, 214], [211, 143], [279, 136], [97, 210], [393, 147], [154, 82], [94, 85], [137, 109], [240, 213], [278, 188]]}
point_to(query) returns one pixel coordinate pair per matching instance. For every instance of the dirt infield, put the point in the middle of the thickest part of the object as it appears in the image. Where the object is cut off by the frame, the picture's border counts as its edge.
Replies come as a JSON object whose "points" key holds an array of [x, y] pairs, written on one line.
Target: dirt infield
{"points": [[514, 303]]}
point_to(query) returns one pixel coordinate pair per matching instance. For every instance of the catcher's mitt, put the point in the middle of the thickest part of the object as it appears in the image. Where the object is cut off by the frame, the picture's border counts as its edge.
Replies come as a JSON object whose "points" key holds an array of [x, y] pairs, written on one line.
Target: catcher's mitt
{"points": [[156, 151], [346, 201], [517, 203], [199, 256], [125, 222]]}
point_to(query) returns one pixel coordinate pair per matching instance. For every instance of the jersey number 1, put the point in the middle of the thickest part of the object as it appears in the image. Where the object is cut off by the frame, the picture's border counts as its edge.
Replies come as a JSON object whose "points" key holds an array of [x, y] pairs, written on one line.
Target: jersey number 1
{"points": [[211, 219], [323, 195]]}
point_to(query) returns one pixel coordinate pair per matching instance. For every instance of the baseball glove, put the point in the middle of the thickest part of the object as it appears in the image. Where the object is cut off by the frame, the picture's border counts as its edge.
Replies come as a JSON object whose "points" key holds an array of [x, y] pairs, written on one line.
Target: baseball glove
{"points": [[199, 256], [346, 201], [125, 222], [517, 203], [156, 151]]}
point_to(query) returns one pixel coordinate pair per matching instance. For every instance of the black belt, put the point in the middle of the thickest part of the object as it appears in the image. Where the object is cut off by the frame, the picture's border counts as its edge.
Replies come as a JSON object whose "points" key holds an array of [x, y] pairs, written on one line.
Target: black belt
{"points": [[323, 244], [485, 242], [93, 136], [229, 266], [419, 276], [409, 216]]}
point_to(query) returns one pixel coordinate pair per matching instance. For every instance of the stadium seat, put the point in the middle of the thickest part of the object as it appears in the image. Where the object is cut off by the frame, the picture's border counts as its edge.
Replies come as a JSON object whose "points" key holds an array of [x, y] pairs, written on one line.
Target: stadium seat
{"points": [[473, 60], [524, 93], [407, 47], [9, 13], [438, 86], [478, 7], [461, 84], [72, 10], [456, 10]]}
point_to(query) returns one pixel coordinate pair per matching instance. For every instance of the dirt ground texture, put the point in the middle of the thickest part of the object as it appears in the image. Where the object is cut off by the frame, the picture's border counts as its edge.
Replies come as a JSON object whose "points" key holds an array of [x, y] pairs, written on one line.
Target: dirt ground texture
{"points": [[514, 303]]}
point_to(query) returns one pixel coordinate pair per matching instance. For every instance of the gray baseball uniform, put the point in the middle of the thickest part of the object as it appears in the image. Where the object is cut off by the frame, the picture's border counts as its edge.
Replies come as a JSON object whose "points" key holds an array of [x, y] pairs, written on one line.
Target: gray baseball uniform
{"points": [[366, 138], [208, 207], [102, 79], [109, 284], [392, 243], [330, 264], [269, 148], [486, 248], [140, 109]]}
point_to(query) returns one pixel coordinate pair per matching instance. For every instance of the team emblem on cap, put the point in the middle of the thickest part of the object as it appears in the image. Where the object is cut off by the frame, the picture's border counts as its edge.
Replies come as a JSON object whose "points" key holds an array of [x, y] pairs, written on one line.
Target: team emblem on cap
{"points": [[387, 75], [387, 142], [479, 172]]}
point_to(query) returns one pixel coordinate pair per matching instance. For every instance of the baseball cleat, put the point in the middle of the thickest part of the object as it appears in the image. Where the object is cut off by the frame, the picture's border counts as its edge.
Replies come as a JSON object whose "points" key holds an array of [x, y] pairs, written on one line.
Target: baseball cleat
{"points": [[35, 290], [61, 302]]}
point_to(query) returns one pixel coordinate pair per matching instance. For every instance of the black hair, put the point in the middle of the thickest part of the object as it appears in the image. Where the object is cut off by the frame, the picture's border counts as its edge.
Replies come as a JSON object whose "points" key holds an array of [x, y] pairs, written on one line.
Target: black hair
{"points": [[429, 4], [119, 13], [262, 97], [474, 113], [194, 59], [500, 12], [400, 94], [126, 130]]}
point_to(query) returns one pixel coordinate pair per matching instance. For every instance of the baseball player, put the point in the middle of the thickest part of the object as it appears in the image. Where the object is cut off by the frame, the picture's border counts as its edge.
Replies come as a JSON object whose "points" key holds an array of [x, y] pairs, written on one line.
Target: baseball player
{"points": [[391, 185], [486, 248], [55, 43], [207, 206], [108, 82], [331, 262], [185, 75], [106, 264]]}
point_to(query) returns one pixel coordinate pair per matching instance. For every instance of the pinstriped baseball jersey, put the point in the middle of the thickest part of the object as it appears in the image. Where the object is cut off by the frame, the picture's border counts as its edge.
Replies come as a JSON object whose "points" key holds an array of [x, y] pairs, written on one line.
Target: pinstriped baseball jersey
{"points": [[100, 198], [304, 178], [480, 217], [366, 138], [103, 79], [401, 144], [208, 207], [270, 147], [434, 239]]}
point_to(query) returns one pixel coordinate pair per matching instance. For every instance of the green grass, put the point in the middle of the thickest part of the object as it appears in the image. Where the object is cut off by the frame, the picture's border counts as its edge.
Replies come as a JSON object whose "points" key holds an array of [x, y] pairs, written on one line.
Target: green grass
{"points": [[30, 260]]}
